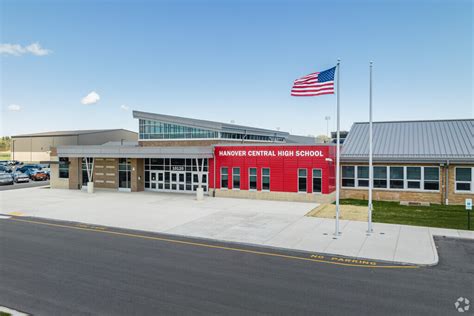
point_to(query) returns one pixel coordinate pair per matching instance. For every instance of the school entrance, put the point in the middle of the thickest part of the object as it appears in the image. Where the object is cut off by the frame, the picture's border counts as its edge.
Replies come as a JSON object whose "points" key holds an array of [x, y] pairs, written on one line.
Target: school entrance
{"points": [[175, 174]]}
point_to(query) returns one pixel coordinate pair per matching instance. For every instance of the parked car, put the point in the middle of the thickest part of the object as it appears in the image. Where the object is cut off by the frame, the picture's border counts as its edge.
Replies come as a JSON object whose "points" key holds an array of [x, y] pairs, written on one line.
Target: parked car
{"points": [[37, 175], [3, 162], [5, 169], [46, 168], [14, 162], [20, 177], [6, 178], [34, 172]]}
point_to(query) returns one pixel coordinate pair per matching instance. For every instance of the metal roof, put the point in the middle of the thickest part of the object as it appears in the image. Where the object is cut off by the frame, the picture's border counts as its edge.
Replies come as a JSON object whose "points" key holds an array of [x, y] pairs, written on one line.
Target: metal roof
{"points": [[210, 125], [70, 133], [434, 140], [134, 151]]}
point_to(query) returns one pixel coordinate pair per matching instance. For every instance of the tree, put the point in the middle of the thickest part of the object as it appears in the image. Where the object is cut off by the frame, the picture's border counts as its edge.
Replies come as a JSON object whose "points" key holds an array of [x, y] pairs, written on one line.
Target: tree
{"points": [[323, 139]]}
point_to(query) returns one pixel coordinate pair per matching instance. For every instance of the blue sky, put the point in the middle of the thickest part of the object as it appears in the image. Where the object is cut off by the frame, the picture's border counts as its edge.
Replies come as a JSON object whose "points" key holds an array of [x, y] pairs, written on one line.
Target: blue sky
{"points": [[231, 60]]}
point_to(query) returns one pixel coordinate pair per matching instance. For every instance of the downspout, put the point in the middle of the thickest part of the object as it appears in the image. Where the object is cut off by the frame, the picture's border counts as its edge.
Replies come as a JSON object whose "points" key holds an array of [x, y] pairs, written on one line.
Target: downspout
{"points": [[446, 183], [214, 160]]}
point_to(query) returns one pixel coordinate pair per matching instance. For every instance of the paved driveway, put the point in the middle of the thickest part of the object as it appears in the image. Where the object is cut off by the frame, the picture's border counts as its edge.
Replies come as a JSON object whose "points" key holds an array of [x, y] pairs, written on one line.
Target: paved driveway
{"points": [[159, 212], [269, 223]]}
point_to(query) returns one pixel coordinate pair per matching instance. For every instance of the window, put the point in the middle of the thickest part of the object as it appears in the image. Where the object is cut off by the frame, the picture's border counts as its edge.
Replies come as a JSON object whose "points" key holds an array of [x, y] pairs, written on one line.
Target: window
{"points": [[125, 173], [348, 176], [380, 177], [224, 178], [253, 179], [317, 180], [431, 178], [464, 179], [302, 187], [63, 168], [413, 177], [266, 179], [396, 177], [150, 129], [362, 176], [235, 178]]}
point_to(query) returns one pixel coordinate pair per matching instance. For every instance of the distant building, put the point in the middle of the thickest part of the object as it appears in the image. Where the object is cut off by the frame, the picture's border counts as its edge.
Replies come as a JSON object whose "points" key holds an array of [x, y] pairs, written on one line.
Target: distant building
{"points": [[342, 136], [421, 161], [37, 147]]}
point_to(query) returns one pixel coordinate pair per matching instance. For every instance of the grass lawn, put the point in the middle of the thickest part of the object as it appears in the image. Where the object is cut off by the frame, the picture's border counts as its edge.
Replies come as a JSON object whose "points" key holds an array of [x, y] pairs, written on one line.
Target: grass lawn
{"points": [[444, 216], [4, 155]]}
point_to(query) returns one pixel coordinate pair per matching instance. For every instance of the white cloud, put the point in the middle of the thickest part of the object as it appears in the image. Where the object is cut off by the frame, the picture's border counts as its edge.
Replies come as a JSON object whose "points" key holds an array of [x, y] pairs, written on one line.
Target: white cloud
{"points": [[17, 50], [91, 98], [125, 107], [14, 108]]}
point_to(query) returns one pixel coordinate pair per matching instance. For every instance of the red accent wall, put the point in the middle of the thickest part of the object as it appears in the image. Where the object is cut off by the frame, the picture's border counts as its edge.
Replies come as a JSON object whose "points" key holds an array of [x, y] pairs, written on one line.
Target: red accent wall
{"points": [[283, 161]]}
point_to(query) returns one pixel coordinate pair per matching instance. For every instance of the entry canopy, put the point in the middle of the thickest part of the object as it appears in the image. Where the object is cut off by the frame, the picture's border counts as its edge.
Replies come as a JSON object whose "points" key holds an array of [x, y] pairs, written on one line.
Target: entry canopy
{"points": [[134, 151]]}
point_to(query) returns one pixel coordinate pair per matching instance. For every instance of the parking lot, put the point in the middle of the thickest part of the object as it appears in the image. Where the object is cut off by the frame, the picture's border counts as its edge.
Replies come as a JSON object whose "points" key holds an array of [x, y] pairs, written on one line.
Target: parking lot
{"points": [[24, 185]]}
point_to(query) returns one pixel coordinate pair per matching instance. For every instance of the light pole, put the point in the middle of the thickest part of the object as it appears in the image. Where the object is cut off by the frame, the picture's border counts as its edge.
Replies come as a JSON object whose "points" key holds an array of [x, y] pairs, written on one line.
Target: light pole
{"points": [[327, 118], [13, 148]]}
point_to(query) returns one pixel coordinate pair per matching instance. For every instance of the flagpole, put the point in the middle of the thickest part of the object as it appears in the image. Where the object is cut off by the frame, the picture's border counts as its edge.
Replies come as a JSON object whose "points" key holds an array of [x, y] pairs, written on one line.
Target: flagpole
{"points": [[371, 171], [338, 145]]}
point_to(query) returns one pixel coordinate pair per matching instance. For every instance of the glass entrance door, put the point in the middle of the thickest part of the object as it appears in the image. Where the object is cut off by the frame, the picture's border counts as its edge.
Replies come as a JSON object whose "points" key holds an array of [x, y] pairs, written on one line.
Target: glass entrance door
{"points": [[178, 182], [157, 180]]}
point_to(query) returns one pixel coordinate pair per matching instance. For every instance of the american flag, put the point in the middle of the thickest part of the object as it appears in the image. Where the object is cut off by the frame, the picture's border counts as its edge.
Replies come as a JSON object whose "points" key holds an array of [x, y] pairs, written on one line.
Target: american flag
{"points": [[317, 83]]}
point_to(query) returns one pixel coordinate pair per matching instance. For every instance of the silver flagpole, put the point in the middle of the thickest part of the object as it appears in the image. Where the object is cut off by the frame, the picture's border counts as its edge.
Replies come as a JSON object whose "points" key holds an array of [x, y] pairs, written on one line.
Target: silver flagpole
{"points": [[371, 171], [338, 145]]}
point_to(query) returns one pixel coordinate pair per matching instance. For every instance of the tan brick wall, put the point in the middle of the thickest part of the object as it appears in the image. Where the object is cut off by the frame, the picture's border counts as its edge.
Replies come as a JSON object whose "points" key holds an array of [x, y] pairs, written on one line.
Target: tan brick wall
{"points": [[456, 198], [75, 173], [138, 175], [106, 173], [279, 196], [390, 195], [55, 181]]}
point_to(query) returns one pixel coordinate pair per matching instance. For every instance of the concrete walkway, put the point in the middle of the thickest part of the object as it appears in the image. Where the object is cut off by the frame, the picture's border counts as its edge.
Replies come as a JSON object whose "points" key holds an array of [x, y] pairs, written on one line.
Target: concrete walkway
{"points": [[268, 223]]}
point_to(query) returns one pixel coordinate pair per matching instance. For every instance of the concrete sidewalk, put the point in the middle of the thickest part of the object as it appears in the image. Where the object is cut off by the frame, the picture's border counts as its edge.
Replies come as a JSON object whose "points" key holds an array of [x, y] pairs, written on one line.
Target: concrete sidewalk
{"points": [[268, 223]]}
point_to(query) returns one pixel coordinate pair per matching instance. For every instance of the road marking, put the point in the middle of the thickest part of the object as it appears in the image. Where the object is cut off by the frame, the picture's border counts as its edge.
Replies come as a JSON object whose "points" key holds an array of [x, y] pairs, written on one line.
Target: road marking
{"points": [[16, 213], [335, 260]]}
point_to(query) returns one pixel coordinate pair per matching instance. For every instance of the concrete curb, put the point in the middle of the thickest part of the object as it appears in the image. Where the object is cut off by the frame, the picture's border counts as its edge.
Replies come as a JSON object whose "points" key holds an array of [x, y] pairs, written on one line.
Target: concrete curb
{"points": [[230, 242]]}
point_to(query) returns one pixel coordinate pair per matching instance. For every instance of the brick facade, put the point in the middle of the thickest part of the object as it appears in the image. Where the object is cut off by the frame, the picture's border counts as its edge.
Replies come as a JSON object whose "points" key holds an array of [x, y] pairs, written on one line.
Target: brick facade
{"points": [[138, 175], [106, 173], [75, 173]]}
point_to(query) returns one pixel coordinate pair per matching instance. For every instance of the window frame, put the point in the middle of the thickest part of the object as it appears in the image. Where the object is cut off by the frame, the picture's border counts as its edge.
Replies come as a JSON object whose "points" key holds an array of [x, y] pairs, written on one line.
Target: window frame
{"points": [[405, 179], [353, 178], [220, 177], [256, 178], [265, 176], [470, 182], [233, 178], [305, 179], [312, 180], [63, 164]]}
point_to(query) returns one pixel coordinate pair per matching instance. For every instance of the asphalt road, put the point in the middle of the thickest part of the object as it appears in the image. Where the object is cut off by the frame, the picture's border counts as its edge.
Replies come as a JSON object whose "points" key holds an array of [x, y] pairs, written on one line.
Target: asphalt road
{"points": [[23, 185], [74, 269]]}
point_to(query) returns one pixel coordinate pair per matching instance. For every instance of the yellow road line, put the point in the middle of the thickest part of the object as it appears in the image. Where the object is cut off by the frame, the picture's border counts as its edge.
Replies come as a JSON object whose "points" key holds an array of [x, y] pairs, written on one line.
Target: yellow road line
{"points": [[16, 213], [263, 253]]}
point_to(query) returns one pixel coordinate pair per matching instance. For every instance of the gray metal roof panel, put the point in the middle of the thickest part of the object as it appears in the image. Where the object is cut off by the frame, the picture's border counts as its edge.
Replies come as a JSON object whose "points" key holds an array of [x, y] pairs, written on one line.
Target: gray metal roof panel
{"points": [[131, 151], [70, 133], [412, 139]]}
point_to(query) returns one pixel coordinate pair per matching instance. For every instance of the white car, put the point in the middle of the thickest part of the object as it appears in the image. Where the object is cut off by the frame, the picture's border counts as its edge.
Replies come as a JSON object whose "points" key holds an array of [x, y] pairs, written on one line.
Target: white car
{"points": [[19, 176]]}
